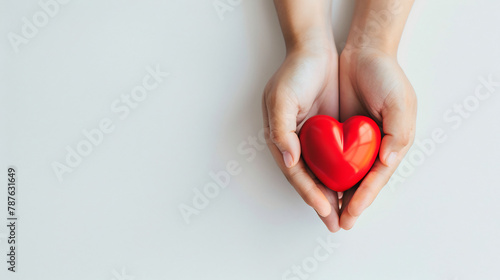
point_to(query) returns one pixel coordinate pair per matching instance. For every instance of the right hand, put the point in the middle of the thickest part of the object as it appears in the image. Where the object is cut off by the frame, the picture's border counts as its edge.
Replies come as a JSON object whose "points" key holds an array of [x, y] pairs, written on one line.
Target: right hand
{"points": [[305, 85]]}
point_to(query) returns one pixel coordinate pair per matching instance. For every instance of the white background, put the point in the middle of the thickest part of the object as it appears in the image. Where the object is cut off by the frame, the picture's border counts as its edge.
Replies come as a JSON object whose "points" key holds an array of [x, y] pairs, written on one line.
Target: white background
{"points": [[116, 216]]}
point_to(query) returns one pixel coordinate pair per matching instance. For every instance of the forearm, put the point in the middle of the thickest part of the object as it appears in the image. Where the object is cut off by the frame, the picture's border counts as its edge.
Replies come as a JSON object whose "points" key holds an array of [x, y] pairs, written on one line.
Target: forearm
{"points": [[378, 24], [305, 23]]}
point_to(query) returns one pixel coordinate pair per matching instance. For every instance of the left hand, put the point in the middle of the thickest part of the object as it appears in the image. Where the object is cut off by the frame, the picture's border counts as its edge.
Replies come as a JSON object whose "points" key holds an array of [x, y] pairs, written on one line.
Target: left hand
{"points": [[373, 84]]}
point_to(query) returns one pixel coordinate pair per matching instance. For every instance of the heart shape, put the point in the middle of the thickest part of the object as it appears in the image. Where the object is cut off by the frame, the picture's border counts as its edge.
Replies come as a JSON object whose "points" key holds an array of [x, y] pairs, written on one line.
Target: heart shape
{"points": [[339, 154]]}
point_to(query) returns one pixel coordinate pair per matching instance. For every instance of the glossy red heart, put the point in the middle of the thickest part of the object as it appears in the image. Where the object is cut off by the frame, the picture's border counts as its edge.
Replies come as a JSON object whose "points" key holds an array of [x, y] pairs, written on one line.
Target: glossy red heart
{"points": [[339, 154]]}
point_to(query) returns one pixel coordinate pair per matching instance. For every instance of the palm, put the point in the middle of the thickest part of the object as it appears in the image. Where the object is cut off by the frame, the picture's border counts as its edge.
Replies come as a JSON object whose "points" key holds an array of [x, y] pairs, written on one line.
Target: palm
{"points": [[311, 83], [368, 84]]}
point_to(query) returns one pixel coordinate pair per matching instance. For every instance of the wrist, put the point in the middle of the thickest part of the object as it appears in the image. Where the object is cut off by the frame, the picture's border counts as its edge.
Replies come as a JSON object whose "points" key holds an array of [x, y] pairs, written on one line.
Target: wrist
{"points": [[357, 56], [311, 42], [306, 25], [378, 25], [360, 41]]}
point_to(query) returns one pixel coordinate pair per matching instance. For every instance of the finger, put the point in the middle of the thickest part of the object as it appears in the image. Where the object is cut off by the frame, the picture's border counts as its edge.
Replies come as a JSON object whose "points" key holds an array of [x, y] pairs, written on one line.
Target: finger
{"points": [[398, 124], [331, 221], [303, 183], [297, 175], [282, 112], [346, 220], [367, 191]]}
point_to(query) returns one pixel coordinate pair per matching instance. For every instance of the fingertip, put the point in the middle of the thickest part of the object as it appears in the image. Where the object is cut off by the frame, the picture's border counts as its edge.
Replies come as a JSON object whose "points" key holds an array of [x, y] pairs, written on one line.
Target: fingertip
{"points": [[324, 209], [348, 223], [390, 159], [348, 219], [331, 222], [334, 229], [348, 227], [355, 208], [295, 149], [289, 146]]}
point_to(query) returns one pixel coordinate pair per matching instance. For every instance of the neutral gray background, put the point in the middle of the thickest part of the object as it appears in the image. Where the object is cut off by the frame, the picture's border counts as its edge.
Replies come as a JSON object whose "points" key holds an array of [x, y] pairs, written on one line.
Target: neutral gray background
{"points": [[116, 216]]}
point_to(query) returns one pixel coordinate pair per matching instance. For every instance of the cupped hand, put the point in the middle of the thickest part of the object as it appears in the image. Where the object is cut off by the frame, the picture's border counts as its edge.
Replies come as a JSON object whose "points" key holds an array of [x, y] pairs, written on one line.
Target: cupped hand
{"points": [[373, 84], [305, 85]]}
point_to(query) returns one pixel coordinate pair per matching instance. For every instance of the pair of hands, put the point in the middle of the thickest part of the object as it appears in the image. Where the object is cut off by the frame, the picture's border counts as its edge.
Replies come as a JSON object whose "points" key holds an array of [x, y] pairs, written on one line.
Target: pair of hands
{"points": [[363, 81]]}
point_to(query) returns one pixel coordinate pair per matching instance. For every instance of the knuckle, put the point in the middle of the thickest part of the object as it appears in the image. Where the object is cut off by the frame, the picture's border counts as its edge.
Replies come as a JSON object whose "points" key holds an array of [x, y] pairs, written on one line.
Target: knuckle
{"points": [[291, 176], [267, 136], [276, 136]]}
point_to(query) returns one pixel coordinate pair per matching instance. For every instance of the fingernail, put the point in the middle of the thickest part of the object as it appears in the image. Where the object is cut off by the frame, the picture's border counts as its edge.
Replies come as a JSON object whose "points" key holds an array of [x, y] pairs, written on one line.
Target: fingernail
{"points": [[391, 158], [287, 158]]}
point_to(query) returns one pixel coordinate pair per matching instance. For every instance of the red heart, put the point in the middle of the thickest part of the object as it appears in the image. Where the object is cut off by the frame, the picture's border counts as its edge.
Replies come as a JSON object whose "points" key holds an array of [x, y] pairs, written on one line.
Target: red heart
{"points": [[339, 154]]}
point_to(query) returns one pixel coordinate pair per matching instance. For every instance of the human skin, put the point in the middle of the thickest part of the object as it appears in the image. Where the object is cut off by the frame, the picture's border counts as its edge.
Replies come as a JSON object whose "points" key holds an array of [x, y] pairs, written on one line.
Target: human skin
{"points": [[307, 84]]}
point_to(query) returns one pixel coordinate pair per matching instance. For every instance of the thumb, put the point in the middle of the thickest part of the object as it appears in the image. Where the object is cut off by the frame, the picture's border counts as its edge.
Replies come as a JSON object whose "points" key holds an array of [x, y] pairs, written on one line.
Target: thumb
{"points": [[398, 126], [282, 116]]}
